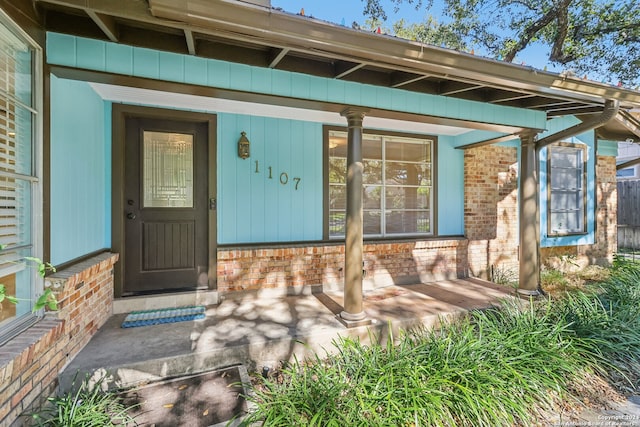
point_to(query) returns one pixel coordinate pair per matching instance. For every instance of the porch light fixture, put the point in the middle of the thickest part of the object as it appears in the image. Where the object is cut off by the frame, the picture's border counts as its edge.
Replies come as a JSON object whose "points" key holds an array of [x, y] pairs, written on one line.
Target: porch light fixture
{"points": [[244, 146]]}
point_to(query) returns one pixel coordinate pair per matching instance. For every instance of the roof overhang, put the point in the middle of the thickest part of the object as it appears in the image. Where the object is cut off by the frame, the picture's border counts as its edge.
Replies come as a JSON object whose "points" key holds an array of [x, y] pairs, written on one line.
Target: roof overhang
{"points": [[624, 127], [263, 36]]}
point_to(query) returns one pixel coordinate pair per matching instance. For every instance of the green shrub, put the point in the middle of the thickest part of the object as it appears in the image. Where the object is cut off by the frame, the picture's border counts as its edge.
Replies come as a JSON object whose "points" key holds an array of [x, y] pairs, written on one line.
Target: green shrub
{"points": [[610, 316], [88, 406], [492, 368], [498, 367]]}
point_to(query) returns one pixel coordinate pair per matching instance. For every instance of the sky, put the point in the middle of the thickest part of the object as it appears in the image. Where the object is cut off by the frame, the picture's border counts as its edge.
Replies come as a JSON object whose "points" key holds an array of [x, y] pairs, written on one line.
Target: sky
{"points": [[337, 10], [351, 10]]}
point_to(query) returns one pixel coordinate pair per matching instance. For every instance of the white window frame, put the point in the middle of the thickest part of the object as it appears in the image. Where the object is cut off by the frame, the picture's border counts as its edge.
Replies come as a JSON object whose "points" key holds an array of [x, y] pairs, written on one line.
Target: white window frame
{"points": [[580, 193], [14, 326], [620, 174], [387, 135]]}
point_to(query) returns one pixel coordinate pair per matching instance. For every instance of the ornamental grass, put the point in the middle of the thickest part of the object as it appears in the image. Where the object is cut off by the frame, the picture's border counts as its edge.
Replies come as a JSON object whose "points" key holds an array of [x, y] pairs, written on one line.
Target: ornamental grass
{"points": [[499, 367]]}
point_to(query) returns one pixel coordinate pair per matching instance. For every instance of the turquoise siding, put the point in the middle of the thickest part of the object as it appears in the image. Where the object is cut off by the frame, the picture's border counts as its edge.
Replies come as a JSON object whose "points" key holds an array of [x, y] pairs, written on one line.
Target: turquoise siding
{"points": [[252, 207], [450, 202], [607, 148], [104, 56], [588, 139], [263, 204], [79, 173]]}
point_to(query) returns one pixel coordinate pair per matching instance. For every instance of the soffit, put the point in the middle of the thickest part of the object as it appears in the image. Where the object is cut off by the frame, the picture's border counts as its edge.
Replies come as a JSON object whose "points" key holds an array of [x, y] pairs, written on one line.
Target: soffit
{"points": [[125, 94]]}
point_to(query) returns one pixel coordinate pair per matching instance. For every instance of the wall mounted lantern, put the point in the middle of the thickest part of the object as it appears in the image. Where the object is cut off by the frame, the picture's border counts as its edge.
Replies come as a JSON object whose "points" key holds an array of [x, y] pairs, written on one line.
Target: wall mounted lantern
{"points": [[244, 146]]}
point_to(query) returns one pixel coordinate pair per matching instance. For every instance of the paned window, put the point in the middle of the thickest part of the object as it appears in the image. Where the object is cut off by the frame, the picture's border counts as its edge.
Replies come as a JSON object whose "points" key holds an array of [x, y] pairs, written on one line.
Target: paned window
{"points": [[397, 184], [566, 189], [19, 185]]}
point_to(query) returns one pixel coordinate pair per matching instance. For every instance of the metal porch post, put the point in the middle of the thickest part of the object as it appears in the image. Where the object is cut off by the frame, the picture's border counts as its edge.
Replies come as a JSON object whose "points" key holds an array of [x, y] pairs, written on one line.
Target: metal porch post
{"points": [[353, 314], [529, 211]]}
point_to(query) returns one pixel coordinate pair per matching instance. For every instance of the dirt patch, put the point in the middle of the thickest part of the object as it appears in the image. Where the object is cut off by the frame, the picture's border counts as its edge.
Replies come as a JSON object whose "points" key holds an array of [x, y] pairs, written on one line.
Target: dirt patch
{"points": [[197, 400]]}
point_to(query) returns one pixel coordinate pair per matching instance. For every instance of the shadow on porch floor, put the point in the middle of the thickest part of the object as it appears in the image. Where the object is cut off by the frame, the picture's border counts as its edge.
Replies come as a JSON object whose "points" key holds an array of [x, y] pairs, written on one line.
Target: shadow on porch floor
{"points": [[261, 332]]}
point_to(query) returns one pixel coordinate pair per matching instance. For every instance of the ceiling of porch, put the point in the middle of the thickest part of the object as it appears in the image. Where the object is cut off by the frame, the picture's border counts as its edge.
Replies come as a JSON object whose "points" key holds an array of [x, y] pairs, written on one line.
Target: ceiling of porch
{"points": [[266, 37], [133, 95]]}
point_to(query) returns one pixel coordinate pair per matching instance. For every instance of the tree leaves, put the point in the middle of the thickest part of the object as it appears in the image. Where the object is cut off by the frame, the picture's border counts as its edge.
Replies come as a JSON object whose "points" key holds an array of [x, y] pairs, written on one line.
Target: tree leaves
{"points": [[375, 10], [600, 38]]}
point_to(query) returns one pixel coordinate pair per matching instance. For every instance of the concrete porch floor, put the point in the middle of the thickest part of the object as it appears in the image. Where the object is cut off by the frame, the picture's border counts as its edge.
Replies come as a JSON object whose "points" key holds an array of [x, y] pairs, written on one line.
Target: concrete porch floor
{"points": [[259, 331]]}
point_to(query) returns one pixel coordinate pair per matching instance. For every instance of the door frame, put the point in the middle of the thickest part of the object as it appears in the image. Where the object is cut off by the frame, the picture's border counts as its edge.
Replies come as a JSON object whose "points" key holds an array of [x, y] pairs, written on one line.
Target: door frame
{"points": [[119, 114]]}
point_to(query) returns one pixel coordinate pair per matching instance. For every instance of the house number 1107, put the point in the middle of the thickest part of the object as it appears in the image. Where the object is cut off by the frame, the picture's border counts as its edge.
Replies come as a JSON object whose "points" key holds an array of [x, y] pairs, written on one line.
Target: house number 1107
{"points": [[284, 177]]}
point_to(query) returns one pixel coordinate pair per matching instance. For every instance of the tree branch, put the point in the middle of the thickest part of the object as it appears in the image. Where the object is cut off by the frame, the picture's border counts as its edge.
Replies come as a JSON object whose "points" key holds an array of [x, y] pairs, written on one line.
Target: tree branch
{"points": [[557, 53], [529, 33]]}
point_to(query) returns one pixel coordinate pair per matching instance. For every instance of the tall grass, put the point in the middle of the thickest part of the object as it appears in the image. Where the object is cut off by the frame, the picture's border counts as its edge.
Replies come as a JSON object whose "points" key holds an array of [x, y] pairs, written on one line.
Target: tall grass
{"points": [[610, 317], [497, 367]]}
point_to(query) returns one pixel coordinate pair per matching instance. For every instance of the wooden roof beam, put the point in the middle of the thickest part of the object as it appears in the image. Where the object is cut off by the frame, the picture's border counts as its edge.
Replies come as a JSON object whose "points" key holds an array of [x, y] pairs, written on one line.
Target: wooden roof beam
{"points": [[454, 88], [106, 23], [575, 110], [275, 60], [342, 70], [398, 81], [546, 103], [629, 121], [512, 97], [191, 41]]}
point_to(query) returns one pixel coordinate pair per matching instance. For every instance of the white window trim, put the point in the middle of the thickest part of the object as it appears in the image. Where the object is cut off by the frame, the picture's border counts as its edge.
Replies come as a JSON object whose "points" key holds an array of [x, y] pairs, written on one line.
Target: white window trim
{"points": [[557, 233], [432, 199], [21, 323]]}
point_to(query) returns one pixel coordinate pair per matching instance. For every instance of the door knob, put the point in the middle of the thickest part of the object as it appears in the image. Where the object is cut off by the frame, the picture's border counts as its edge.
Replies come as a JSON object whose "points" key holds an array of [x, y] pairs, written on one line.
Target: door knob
{"points": [[131, 215]]}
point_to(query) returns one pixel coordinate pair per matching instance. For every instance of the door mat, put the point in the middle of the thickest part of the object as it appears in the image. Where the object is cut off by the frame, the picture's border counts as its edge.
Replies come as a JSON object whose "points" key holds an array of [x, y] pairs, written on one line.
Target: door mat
{"points": [[207, 399], [164, 315]]}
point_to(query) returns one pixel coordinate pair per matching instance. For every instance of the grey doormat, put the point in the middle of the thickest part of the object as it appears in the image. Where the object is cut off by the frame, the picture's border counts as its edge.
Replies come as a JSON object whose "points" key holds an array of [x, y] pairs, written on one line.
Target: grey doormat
{"points": [[200, 400]]}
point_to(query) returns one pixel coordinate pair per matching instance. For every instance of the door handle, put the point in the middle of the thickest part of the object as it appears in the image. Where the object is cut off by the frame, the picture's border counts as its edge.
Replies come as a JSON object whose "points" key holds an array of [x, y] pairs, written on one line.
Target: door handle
{"points": [[131, 215]]}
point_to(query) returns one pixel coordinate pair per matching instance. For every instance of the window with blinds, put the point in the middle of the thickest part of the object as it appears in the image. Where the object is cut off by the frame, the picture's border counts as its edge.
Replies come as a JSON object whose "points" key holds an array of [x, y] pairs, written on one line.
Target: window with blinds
{"points": [[397, 184], [18, 180], [566, 180]]}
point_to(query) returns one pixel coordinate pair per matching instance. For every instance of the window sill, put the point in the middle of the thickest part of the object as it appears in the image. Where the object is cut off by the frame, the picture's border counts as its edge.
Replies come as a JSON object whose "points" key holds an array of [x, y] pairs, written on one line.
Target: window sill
{"points": [[29, 344], [567, 234]]}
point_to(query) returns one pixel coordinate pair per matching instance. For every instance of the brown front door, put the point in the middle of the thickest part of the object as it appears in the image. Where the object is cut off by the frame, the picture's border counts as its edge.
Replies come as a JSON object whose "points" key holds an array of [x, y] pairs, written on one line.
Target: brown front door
{"points": [[165, 205]]}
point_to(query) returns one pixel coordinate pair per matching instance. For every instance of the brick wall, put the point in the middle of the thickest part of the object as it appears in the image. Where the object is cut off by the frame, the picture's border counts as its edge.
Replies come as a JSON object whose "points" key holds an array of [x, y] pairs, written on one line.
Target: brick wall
{"points": [[606, 211], [491, 208], [30, 363], [491, 231], [322, 264]]}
